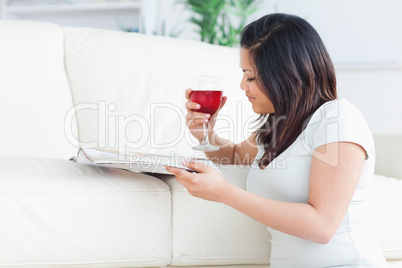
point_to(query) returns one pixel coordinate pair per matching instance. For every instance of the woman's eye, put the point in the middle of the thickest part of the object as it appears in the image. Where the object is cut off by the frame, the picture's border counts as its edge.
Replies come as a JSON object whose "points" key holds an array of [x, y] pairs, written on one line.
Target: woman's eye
{"points": [[250, 79]]}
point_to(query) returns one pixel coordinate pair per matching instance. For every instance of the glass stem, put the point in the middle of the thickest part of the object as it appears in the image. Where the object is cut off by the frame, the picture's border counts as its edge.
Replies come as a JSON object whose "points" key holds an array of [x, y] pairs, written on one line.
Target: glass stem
{"points": [[205, 141]]}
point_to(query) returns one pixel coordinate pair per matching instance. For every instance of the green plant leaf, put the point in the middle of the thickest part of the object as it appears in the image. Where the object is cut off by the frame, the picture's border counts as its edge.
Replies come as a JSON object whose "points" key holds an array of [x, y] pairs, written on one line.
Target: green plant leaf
{"points": [[213, 18]]}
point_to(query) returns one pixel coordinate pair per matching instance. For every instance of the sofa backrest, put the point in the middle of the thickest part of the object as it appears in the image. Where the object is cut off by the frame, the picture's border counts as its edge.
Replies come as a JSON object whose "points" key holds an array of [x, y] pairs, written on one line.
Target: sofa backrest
{"points": [[388, 155], [128, 89], [34, 90]]}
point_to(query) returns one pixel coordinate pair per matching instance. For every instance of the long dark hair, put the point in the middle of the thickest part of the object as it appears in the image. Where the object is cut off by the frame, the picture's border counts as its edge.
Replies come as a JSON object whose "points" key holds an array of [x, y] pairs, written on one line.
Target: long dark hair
{"points": [[295, 72]]}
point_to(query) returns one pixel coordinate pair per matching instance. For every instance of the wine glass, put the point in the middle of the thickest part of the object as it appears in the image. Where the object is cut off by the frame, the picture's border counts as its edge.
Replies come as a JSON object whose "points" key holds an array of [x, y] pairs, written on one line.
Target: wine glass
{"points": [[207, 91]]}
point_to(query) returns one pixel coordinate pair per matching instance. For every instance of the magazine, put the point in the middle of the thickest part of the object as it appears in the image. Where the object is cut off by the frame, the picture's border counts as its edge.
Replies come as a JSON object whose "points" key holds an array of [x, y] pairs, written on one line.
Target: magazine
{"points": [[136, 162]]}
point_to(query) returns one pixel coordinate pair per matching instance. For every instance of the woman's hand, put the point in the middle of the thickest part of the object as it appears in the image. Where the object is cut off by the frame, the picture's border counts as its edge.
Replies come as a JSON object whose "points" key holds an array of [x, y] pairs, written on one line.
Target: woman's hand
{"points": [[208, 184], [195, 120]]}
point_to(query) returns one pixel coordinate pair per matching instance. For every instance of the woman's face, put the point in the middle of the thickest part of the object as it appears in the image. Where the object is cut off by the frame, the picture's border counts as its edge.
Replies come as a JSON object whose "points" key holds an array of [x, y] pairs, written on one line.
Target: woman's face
{"points": [[259, 101]]}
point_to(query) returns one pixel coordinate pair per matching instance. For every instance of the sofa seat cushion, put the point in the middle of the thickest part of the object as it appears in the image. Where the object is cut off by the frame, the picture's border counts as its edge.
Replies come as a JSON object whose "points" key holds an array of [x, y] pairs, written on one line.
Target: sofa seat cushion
{"points": [[210, 233], [59, 213]]}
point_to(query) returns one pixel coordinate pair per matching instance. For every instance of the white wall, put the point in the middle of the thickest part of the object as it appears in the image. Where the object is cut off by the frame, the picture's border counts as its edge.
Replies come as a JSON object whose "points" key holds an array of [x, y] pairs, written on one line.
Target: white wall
{"points": [[354, 31], [81, 16], [96, 19]]}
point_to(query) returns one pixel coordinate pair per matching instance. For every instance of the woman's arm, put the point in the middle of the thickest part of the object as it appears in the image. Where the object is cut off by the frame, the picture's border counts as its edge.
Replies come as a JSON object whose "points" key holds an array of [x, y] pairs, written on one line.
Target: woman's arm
{"points": [[334, 175], [240, 154]]}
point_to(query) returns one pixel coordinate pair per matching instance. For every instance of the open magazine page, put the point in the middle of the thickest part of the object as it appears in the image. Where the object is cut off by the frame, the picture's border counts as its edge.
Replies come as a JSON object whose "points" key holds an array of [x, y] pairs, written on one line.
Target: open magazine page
{"points": [[137, 162]]}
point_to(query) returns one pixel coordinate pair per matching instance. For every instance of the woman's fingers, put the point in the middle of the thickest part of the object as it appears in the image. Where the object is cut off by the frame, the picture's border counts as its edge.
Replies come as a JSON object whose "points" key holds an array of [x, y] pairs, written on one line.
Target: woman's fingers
{"points": [[224, 99], [195, 106], [186, 175], [187, 94], [195, 119], [196, 126], [195, 115], [178, 171], [197, 166], [183, 176], [192, 123], [192, 106]]}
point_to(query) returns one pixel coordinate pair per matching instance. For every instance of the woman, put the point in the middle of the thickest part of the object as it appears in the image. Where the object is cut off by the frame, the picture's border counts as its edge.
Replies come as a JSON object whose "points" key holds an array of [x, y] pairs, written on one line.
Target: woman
{"points": [[314, 202]]}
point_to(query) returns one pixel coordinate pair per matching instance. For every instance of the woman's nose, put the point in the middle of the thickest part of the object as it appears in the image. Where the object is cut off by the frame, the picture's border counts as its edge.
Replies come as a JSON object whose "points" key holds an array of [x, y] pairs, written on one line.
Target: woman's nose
{"points": [[243, 84]]}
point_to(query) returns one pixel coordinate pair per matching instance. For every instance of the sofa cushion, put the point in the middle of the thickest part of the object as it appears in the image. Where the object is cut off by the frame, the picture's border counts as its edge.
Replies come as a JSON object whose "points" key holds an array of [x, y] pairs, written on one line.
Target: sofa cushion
{"points": [[34, 91], [209, 233], [57, 212], [129, 89], [385, 204], [388, 149]]}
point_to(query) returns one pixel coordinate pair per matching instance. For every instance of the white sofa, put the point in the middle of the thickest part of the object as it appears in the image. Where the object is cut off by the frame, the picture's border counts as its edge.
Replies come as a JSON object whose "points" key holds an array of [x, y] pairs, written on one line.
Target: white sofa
{"points": [[65, 87]]}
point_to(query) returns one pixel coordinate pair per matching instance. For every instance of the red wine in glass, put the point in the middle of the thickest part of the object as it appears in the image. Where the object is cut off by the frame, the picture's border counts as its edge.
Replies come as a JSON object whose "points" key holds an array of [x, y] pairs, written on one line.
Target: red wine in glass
{"points": [[210, 100], [207, 92]]}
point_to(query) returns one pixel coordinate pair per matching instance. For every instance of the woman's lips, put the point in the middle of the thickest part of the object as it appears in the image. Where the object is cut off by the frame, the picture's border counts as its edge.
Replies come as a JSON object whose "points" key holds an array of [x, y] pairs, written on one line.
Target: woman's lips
{"points": [[250, 99]]}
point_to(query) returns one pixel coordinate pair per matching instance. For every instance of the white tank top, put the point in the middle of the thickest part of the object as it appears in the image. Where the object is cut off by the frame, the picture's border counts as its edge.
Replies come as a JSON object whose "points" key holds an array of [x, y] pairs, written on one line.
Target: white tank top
{"points": [[286, 178]]}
